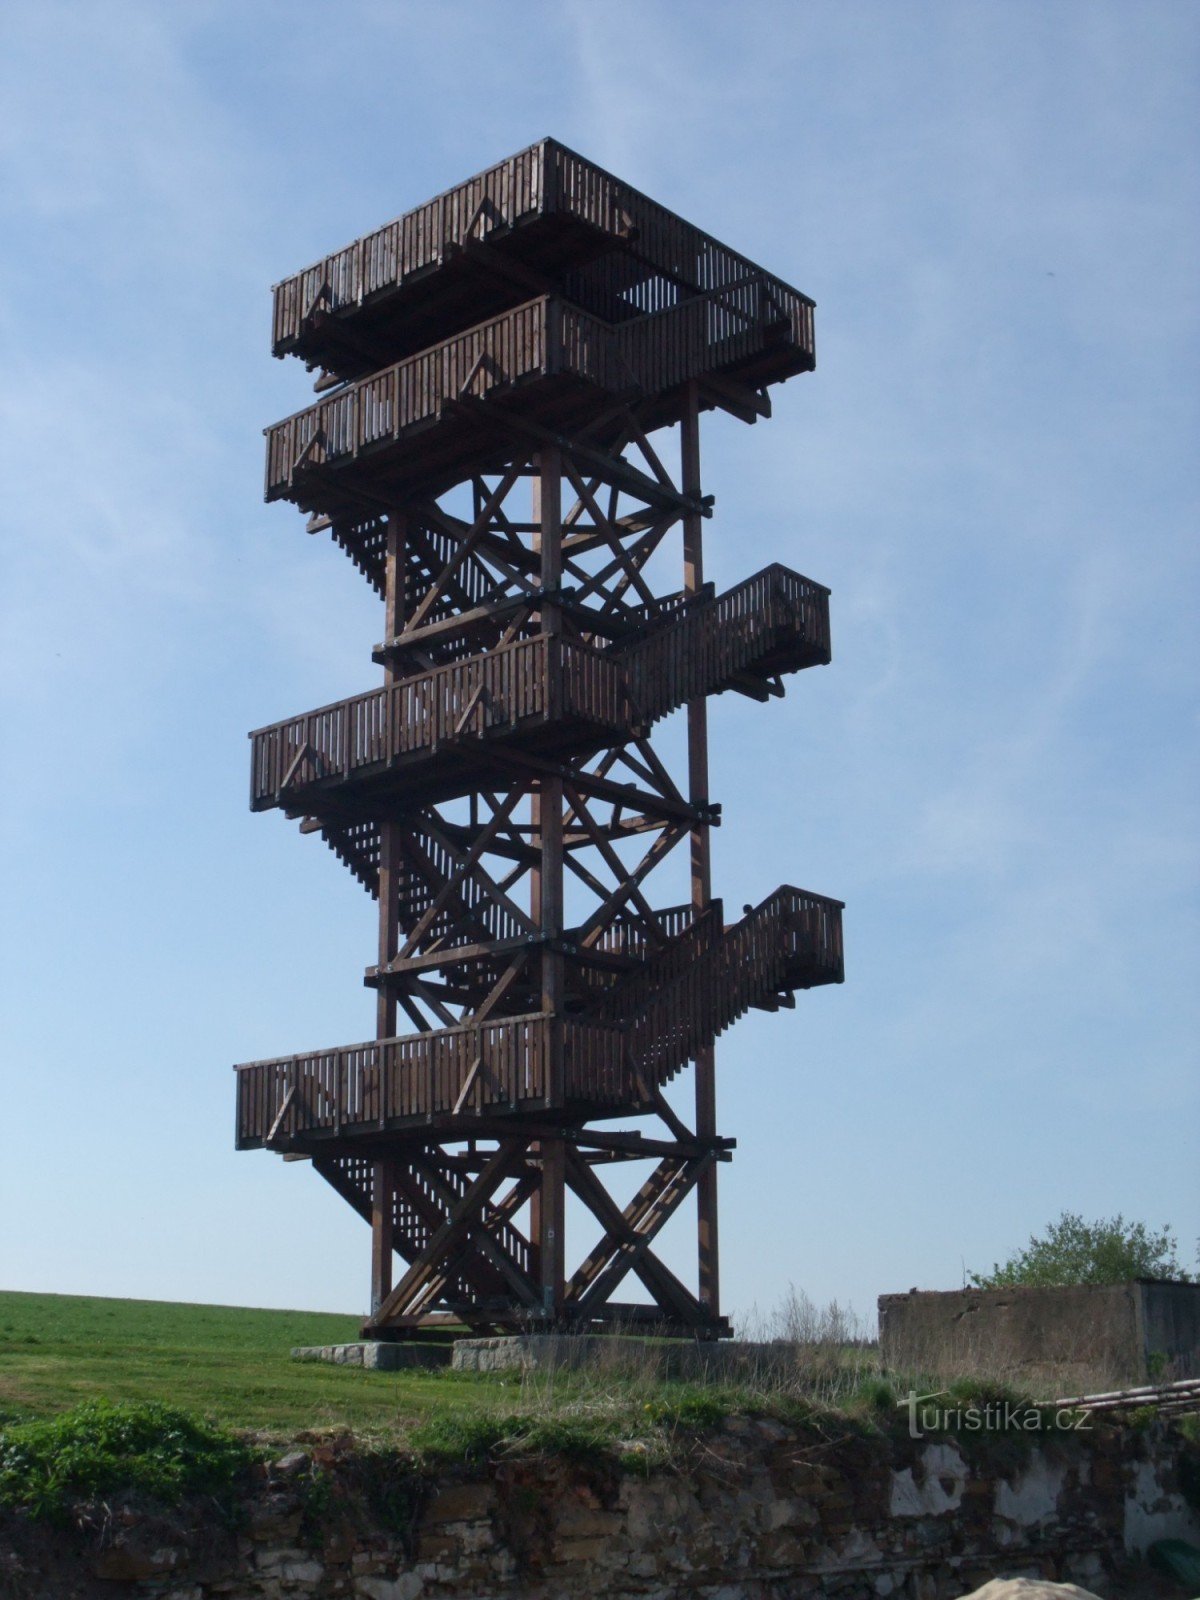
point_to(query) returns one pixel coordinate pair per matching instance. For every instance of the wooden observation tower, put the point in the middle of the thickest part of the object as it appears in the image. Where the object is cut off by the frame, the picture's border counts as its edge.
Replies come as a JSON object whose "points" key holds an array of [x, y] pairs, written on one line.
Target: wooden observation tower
{"points": [[504, 374]]}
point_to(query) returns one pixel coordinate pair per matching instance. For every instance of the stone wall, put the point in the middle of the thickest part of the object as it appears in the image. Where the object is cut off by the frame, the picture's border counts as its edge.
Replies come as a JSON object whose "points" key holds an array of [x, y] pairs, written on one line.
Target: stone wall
{"points": [[748, 1510], [1075, 1340]]}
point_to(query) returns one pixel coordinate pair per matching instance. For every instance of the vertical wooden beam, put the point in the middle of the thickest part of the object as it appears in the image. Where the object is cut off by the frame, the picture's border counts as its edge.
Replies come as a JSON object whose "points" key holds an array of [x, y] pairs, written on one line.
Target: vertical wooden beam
{"points": [[383, 1192], [383, 1184], [701, 863], [552, 1216], [390, 833], [548, 1211], [393, 596], [548, 515], [697, 711]]}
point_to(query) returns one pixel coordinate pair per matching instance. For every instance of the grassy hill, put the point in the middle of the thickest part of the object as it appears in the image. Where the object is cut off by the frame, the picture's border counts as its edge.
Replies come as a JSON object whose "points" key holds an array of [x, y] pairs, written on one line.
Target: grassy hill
{"points": [[232, 1364], [227, 1362]]}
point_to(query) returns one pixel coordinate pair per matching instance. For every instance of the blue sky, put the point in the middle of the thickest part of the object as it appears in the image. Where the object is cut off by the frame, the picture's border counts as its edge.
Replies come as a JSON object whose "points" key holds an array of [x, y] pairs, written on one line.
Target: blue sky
{"points": [[993, 467]]}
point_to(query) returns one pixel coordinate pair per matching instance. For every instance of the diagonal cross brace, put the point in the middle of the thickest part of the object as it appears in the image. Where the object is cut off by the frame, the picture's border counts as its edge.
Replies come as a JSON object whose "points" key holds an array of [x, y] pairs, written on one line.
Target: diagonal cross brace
{"points": [[629, 1234], [461, 1218], [482, 1240]]}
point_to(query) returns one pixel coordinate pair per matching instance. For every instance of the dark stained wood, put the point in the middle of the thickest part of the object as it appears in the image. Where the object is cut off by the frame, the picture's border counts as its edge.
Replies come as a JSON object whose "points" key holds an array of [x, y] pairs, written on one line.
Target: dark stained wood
{"points": [[486, 449], [707, 1243], [543, 214], [400, 430], [673, 1005], [383, 1231], [775, 622]]}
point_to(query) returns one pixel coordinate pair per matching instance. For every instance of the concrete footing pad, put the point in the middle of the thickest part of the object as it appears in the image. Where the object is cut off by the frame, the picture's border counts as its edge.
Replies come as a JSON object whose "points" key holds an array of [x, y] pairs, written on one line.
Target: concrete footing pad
{"points": [[376, 1355], [698, 1361]]}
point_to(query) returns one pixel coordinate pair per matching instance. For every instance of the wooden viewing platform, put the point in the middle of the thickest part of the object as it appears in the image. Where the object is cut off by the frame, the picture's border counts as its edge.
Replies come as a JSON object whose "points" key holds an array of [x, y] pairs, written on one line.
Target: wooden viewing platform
{"points": [[705, 980], [545, 218], [505, 443], [428, 734], [546, 362]]}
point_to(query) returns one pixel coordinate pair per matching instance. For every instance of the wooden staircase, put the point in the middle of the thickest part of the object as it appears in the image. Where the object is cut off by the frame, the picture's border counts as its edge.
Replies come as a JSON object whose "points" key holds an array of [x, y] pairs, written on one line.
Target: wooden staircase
{"points": [[429, 1187], [641, 1033], [428, 736]]}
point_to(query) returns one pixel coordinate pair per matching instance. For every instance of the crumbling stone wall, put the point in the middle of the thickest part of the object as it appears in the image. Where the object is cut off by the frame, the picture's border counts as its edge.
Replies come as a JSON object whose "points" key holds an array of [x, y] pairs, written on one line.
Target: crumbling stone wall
{"points": [[749, 1510]]}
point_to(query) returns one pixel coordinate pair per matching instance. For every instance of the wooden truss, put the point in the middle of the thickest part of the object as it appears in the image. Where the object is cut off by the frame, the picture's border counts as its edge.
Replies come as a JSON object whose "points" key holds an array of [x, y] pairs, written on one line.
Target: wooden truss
{"points": [[548, 939], [480, 928]]}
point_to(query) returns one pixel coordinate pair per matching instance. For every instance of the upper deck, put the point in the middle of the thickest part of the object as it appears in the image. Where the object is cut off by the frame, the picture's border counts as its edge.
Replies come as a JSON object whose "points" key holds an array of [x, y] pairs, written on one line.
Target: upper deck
{"points": [[545, 221]]}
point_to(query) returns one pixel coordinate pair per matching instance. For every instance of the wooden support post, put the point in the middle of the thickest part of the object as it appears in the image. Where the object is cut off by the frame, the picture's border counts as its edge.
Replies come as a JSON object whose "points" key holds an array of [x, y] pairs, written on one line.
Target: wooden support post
{"points": [[383, 1183], [383, 1200], [549, 1208], [552, 1219], [390, 833], [548, 819], [697, 711], [701, 862]]}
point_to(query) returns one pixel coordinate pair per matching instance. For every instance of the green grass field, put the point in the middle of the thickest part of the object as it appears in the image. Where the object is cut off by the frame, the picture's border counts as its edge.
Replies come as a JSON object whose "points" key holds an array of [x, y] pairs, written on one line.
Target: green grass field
{"points": [[231, 1366], [226, 1362]]}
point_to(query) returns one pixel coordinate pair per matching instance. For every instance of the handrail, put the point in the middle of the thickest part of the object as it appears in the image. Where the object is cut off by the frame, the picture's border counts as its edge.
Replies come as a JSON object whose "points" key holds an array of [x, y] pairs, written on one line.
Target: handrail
{"points": [[544, 336], [713, 641], [749, 961], [544, 180], [410, 244], [533, 680], [702, 982], [524, 681]]}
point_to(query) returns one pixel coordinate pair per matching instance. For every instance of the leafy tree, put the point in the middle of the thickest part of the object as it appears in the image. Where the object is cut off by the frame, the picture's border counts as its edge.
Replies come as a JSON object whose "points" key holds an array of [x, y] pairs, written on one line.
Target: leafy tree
{"points": [[1074, 1251]]}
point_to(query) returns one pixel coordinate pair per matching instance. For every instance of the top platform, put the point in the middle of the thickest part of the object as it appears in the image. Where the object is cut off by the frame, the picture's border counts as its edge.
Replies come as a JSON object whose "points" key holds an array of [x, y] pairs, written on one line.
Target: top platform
{"points": [[545, 221]]}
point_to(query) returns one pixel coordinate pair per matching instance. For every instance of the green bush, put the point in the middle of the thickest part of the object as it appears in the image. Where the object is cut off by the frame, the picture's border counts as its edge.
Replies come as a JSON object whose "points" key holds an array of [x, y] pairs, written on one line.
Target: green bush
{"points": [[100, 1447], [876, 1394], [1074, 1251]]}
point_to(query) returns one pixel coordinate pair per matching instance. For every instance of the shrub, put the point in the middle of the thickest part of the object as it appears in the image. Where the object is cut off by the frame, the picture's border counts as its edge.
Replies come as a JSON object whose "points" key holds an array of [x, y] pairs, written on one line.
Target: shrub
{"points": [[100, 1447], [1074, 1251]]}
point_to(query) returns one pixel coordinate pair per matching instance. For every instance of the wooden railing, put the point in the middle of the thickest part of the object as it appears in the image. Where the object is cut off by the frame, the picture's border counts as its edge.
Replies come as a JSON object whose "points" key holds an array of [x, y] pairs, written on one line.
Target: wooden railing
{"points": [[664, 258], [793, 939], [508, 193], [655, 254], [709, 643], [698, 650], [626, 934], [544, 337], [682, 999], [527, 681], [629, 937], [714, 330], [421, 1074]]}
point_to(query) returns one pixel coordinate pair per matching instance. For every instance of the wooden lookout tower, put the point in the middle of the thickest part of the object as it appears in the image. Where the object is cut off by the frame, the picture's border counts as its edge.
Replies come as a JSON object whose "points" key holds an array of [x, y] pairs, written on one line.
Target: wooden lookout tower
{"points": [[505, 443]]}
